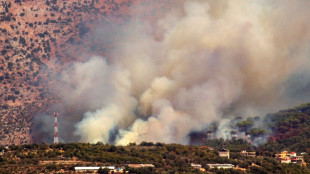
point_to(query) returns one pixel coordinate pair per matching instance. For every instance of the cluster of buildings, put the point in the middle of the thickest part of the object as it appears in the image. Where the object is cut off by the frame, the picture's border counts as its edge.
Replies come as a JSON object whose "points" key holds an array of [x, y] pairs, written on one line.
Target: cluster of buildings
{"points": [[286, 157], [111, 168], [95, 169], [283, 157], [222, 153], [225, 153], [211, 166], [221, 166]]}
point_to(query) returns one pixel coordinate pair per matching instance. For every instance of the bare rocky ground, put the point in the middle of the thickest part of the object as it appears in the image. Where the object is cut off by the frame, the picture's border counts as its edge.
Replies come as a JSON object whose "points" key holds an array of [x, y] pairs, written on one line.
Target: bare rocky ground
{"points": [[36, 39]]}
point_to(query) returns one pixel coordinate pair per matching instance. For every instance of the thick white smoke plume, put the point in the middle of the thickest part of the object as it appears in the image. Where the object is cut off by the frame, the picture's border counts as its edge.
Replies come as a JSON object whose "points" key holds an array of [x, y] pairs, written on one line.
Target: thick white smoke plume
{"points": [[202, 62]]}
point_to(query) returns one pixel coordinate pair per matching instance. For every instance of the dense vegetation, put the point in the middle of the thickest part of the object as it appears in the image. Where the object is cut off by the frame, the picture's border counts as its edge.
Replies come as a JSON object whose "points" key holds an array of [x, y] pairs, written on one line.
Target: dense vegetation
{"points": [[291, 129], [167, 158], [288, 129]]}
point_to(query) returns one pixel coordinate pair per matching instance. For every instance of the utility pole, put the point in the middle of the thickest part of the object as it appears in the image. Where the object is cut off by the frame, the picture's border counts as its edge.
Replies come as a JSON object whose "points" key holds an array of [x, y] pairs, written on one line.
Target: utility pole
{"points": [[56, 128]]}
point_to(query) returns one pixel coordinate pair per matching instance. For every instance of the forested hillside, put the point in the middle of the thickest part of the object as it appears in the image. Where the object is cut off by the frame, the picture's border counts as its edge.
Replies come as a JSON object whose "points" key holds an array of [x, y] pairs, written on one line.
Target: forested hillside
{"points": [[167, 158], [291, 129]]}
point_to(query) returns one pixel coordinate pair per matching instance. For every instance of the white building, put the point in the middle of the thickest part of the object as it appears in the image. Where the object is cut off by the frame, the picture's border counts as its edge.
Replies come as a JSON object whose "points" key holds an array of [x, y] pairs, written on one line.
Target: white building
{"points": [[286, 160], [221, 166], [85, 169], [250, 154], [293, 154], [140, 165], [224, 153], [196, 166]]}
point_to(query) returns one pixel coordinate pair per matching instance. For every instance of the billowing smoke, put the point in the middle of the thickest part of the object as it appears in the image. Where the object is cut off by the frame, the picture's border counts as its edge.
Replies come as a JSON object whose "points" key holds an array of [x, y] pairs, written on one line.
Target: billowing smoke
{"points": [[43, 128], [199, 63]]}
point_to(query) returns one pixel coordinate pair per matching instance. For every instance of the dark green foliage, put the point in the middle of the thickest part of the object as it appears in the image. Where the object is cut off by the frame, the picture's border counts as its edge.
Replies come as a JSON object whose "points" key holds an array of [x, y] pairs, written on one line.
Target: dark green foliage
{"points": [[256, 132], [143, 143], [112, 148], [3, 52], [176, 158], [142, 170], [291, 129], [82, 29], [10, 65], [22, 40], [245, 125], [232, 145], [171, 158], [5, 106], [258, 170], [103, 170]]}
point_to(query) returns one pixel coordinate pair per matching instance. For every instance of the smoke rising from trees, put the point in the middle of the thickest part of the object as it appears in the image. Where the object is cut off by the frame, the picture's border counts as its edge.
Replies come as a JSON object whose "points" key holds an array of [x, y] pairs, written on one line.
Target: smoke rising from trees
{"points": [[199, 63]]}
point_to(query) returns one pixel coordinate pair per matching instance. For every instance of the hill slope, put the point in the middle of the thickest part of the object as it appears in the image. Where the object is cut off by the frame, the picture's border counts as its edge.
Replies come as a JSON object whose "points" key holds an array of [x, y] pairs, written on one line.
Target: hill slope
{"points": [[291, 129], [37, 38]]}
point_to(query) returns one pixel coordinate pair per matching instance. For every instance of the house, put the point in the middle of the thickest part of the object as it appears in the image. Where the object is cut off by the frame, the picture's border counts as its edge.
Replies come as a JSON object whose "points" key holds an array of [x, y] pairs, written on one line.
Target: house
{"points": [[224, 153], [196, 166], [285, 160], [285, 157], [92, 169], [283, 154], [140, 165], [297, 159], [293, 154], [249, 154], [221, 166]]}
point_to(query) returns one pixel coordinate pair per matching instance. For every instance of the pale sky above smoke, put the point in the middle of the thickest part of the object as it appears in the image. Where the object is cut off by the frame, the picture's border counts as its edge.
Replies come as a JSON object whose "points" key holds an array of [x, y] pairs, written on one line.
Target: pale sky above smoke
{"points": [[203, 61]]}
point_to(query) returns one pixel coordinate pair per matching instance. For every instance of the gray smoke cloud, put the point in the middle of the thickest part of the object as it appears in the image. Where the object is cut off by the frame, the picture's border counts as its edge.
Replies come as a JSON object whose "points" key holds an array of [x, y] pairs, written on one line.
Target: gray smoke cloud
{"points": [[199, 63], [43, 128]]}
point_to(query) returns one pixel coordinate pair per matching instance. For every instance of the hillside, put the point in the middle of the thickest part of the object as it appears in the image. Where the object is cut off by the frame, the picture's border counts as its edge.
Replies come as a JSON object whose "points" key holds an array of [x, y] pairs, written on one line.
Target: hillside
{"points": [[37, 38], [167, 158], [291, 129]]}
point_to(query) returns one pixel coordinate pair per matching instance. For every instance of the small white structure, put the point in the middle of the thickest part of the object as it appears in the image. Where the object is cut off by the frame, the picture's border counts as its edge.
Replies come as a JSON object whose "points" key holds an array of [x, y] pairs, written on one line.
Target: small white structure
{"points": [[196, 166], [249, 154], [221, 166], [286, 160], [293, 154], [85, 169], [140, 165], [224, 153]]}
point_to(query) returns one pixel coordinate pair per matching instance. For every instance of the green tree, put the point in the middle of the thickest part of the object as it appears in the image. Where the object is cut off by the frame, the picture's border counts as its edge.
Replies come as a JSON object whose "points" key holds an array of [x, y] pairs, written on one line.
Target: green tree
{"points": [[103, 170]]}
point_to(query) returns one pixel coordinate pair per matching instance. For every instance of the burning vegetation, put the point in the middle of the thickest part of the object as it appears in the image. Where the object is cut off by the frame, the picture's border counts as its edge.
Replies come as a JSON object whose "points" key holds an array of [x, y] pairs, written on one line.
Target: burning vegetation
{"points": [[37, 38], [170, 71]]}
